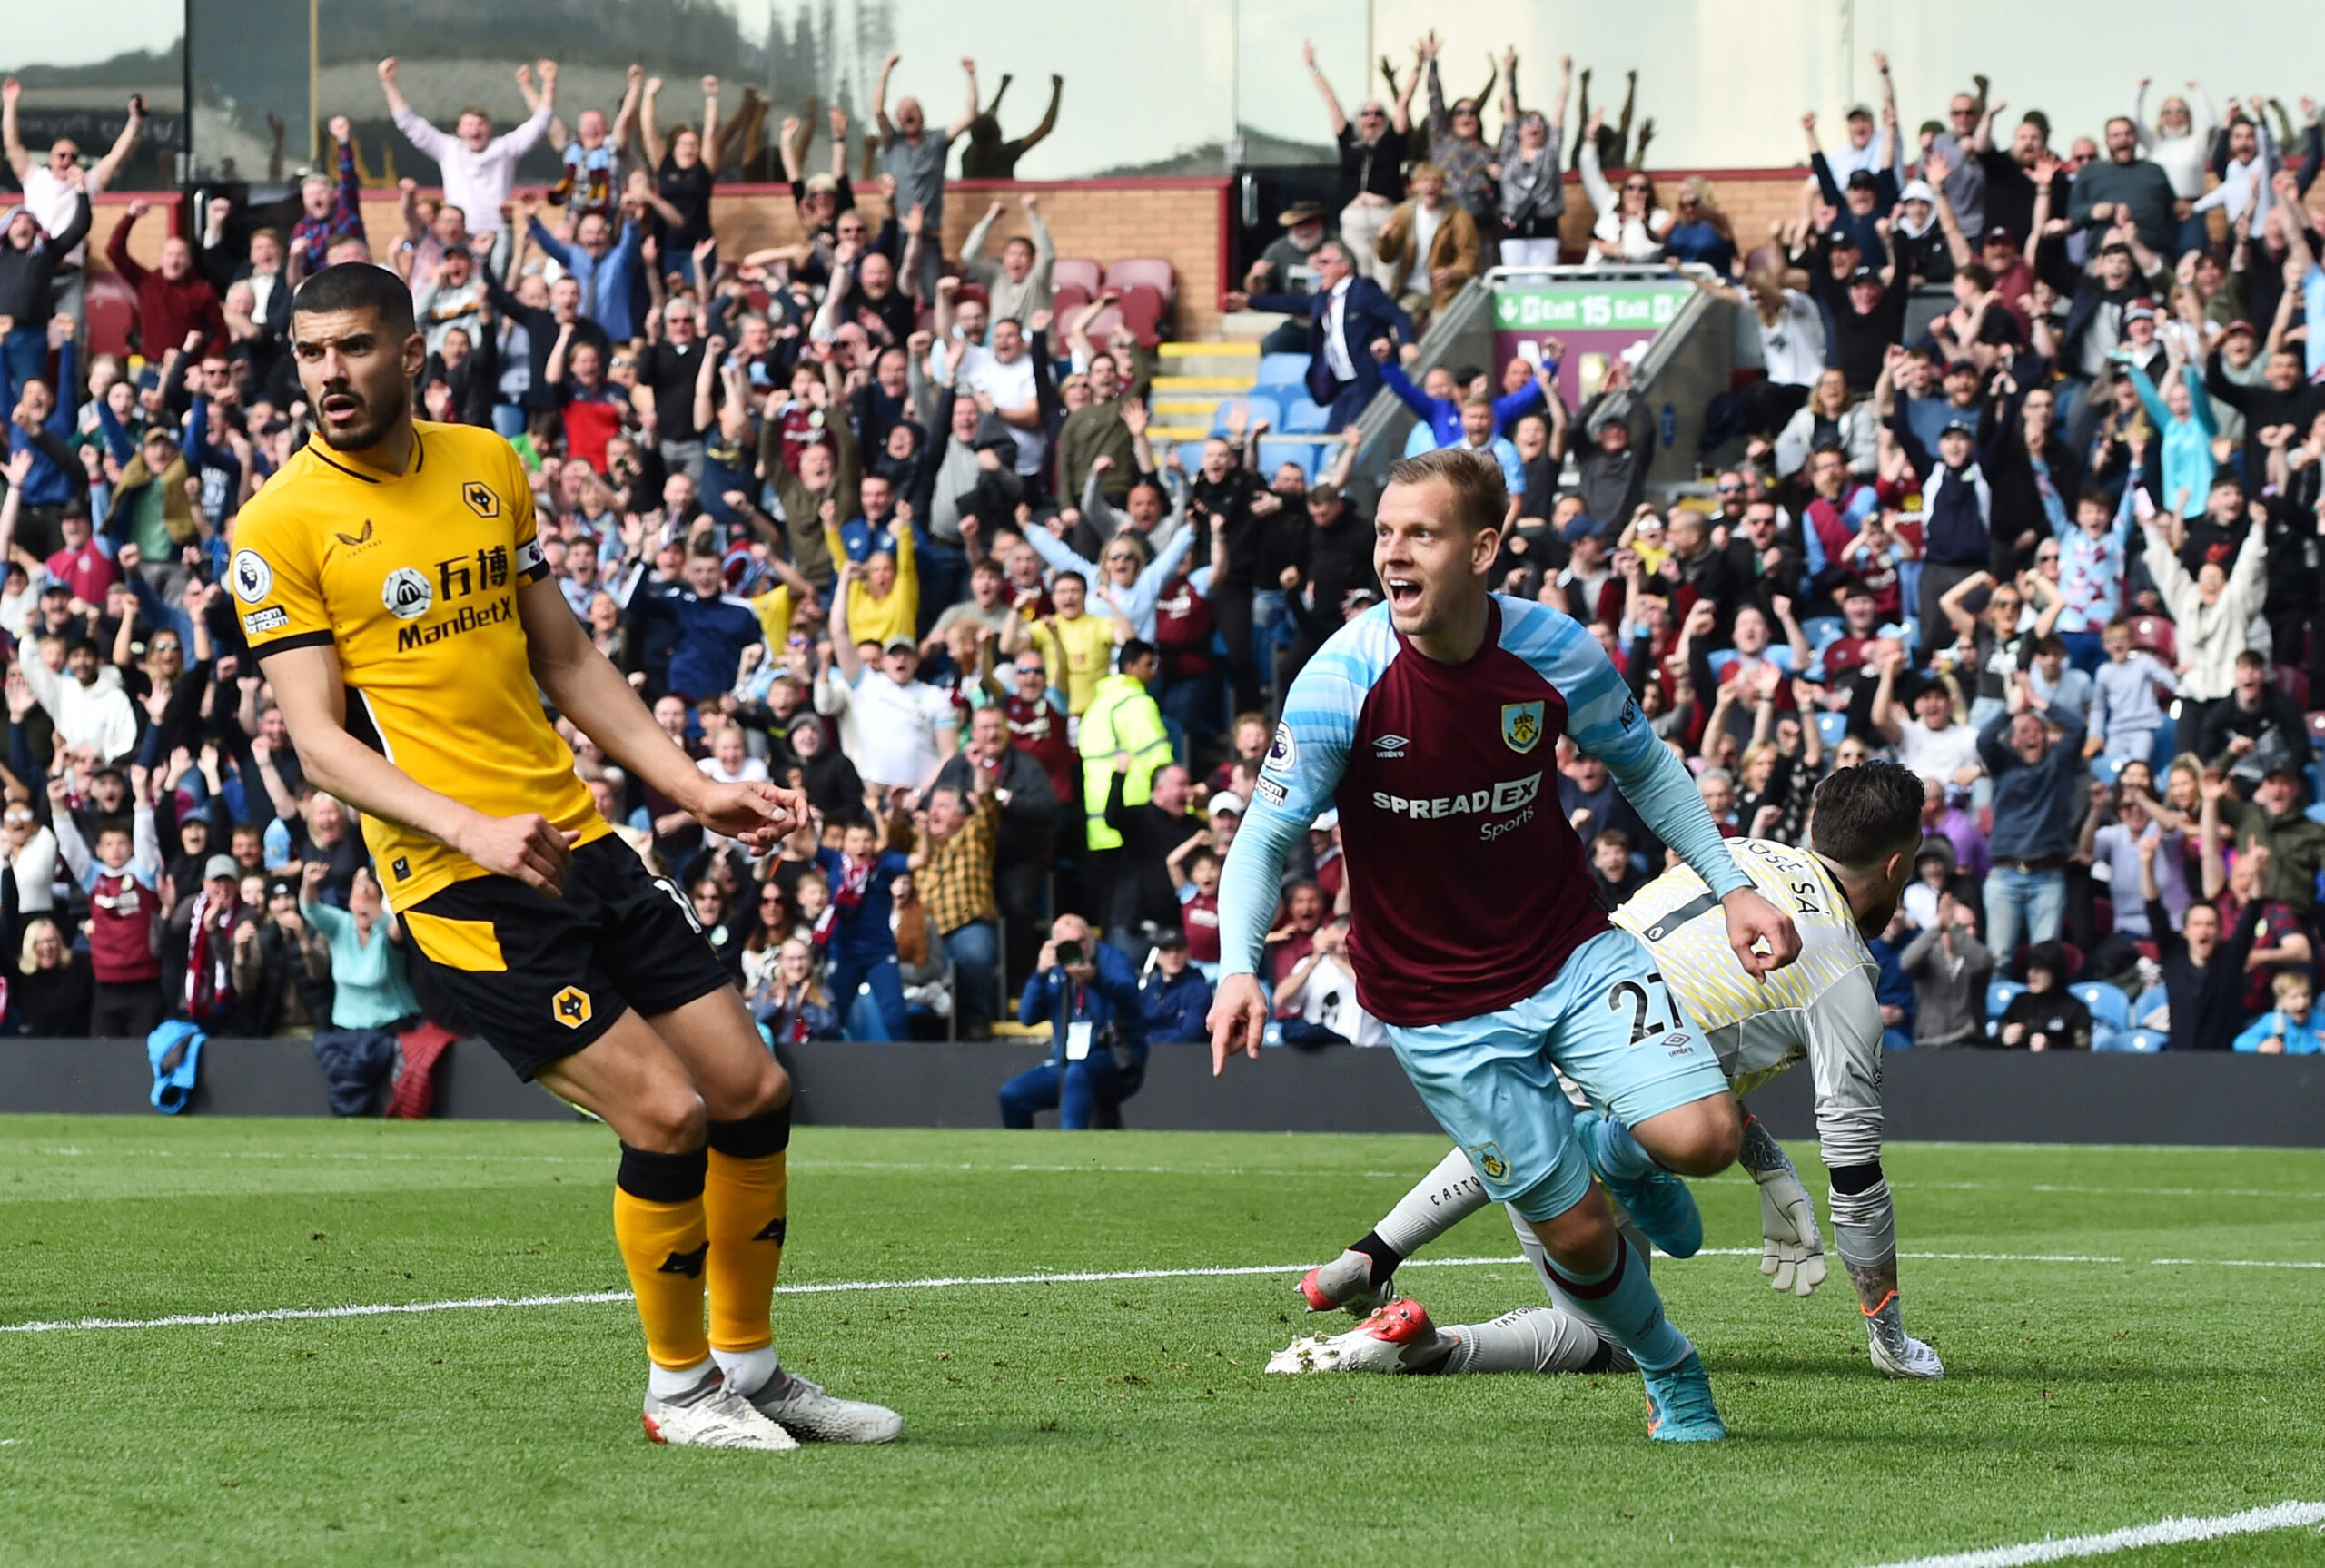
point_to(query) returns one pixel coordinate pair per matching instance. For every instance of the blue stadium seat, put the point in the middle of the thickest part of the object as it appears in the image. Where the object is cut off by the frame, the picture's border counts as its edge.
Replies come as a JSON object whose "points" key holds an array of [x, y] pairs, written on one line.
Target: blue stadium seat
{"points": [[2103, 769], [2317, 811], [2148, 1003], [1831, 727], [2105, 1039], [2108, 1004], [1274, 453], [1999, 993], [1290, 369], [2146, 1041], [1259, 407], [1824, 631], [1304, 416]]}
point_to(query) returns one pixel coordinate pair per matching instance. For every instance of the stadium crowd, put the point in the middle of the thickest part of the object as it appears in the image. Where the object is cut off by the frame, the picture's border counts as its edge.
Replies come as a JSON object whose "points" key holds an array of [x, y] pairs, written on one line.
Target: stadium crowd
{"points": [[885, 523]]}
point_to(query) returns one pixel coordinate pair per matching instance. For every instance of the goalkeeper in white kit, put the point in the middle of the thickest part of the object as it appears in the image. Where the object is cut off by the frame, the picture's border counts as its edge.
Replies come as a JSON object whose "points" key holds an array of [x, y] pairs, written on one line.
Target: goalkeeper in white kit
{"points": [[1865, 829]]}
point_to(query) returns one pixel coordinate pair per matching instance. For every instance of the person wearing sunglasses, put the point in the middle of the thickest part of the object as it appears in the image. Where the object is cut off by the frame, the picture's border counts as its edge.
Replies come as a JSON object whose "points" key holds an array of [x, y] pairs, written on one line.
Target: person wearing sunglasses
{"points": [[1630, 227], [1457, 145], [1969, 131], [1533, 195], [1371, 178]]}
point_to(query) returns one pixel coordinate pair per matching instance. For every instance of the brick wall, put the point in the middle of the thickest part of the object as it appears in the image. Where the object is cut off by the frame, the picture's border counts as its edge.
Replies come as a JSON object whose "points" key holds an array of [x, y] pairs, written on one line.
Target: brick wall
{"points": [[1103, 220]]}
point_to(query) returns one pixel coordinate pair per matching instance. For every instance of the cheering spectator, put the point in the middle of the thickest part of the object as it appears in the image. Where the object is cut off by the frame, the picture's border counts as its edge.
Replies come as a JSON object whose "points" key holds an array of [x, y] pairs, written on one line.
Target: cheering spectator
{"points": [[1347, 315], [477, 167], [2034, 777], [1949, 966], [2288, 1030], [2202, 975], [957, 867], [1430, 244], [174, 301], [1533, 195], [1017, 286], [914, 156], [1629, 227]]}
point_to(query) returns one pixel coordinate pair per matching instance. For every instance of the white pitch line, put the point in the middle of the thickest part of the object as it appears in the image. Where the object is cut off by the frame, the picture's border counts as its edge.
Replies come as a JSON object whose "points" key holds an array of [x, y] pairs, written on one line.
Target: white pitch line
{"points": [[2163, 1532], [953, 1281]]}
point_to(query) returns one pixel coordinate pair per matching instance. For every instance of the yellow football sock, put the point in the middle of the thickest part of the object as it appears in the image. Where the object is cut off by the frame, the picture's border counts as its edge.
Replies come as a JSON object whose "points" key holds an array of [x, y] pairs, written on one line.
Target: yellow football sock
{"points": [[658, 1225], [743, 1201]]}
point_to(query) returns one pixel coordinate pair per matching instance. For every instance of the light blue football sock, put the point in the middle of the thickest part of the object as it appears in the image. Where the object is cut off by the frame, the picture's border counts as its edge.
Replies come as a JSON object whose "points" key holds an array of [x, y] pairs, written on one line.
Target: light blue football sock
{"points": [[1622, 1301], [1618, 1154]]}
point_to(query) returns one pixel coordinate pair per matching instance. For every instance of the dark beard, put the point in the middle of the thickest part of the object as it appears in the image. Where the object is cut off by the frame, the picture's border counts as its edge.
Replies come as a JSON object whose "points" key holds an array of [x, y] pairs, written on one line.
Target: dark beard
{"points": [[368, 434]]}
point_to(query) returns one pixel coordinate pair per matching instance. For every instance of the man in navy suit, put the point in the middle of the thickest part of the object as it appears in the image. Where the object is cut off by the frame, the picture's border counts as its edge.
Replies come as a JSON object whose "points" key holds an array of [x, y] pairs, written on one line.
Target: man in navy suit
{"points": [[1345, 314]]}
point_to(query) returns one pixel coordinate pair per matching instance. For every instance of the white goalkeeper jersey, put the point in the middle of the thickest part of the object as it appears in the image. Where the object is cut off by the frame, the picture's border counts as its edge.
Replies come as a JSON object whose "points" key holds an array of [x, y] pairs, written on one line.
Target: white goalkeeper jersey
{"points": [[1823, 1006]]}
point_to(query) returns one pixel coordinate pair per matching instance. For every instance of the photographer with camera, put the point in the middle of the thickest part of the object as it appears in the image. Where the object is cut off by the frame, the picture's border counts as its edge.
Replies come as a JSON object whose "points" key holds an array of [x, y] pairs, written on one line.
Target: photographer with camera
{"points": [[1088, 993]]}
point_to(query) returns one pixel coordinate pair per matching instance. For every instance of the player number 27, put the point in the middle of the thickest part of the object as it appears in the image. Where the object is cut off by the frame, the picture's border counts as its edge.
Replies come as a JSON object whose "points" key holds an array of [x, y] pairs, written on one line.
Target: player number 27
{"points": [[1644, 1019]]}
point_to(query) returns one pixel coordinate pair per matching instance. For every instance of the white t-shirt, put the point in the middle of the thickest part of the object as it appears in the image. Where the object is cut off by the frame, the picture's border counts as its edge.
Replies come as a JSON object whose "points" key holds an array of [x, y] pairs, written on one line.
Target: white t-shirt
{"points": [[55, 202], [1329, 999], [1009, 387], [753, 770], [896, 728], [1793, 345], [1938, 754], [1425, 225]]}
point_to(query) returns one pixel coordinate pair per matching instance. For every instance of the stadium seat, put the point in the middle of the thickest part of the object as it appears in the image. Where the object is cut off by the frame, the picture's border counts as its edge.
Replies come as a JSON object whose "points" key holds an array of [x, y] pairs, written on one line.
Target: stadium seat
{"points": [[1832, 728], [113, 314], [1304, 416], [2293, 682], [1824, 631], [1283, 370], [2145, 1042], [2155, 633], [1144, 310], [1076, 272], [1275, 454], [1999, 993], [1190, 456], [2105, 1039], [2147, 1004], [1066, 301], [2103, 768], [1254, 408], [2107, 1003], [2317, 730], [1102, 326], [1149, 272]]}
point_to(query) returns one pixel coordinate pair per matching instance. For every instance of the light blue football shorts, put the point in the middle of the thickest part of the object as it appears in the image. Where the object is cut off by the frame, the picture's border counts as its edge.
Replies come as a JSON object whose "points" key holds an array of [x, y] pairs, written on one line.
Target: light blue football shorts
{"points": [[1609, 1022]]}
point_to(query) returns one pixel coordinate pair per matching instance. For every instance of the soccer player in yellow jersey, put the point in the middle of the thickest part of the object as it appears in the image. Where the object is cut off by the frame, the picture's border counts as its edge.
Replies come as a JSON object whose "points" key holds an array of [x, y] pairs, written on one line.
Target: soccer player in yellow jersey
{"points": [[1865, 829], [389, 580]]}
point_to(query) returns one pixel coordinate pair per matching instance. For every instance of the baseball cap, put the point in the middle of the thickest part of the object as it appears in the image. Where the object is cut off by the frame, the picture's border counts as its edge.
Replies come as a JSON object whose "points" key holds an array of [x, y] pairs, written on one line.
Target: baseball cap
{"points": [[2139, 310], [905, 644], [1918, 190], [219, 865], [1582, 525], [2000, 234], [1227, 802], [1172, 937], [276, 886], [1864, 275], [2238, 325], [1864, 178], [1966, 427]]}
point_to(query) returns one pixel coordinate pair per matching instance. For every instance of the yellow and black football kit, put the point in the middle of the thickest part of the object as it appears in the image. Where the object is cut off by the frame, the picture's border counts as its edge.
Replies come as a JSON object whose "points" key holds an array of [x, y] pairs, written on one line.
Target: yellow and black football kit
{"points": [[412, 578]]}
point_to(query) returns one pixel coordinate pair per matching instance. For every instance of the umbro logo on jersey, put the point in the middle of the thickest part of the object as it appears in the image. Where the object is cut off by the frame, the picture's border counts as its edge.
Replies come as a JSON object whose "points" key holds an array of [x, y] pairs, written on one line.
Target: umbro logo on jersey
{"points": [[1388, 746]]}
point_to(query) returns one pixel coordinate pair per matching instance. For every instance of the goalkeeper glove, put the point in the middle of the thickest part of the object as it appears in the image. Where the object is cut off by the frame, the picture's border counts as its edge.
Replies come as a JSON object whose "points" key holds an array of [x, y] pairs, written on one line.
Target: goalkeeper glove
{"points": [[1792, 1254]]}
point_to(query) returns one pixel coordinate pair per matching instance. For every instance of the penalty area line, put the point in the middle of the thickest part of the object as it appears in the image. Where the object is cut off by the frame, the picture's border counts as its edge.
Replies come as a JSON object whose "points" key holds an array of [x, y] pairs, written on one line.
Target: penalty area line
{"points": [[959, 1281], [2163, 1532]]}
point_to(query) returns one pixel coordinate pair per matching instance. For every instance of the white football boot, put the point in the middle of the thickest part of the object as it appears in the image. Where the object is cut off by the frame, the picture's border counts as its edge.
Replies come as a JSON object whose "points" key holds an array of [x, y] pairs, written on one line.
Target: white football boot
{"points": [[712, 1415]]}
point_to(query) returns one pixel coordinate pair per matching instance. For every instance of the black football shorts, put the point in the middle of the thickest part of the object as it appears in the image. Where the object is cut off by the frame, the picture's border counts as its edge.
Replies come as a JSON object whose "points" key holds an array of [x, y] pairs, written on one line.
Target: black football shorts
{"points": [[541, 978]]}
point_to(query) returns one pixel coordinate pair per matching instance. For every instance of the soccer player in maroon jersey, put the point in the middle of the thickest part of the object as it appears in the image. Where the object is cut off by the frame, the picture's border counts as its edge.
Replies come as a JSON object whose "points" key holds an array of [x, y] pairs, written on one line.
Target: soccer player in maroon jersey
{"points": [[1430, 723]]}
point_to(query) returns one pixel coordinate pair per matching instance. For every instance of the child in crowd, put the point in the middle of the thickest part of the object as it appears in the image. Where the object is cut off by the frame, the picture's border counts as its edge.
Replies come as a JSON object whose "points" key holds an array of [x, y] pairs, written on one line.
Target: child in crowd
{"points": [[2290, 1031]]}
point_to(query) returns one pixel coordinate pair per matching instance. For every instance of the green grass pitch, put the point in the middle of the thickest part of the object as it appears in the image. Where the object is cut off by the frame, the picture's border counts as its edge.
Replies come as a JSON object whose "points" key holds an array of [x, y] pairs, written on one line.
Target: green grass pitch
{"points": [[1112, 1421]]}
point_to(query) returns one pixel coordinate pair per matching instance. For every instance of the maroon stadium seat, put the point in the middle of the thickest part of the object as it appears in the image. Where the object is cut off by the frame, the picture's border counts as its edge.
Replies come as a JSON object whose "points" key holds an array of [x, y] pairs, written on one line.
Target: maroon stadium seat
{"points": [[2154, 634], [113, 314], [1065, 301], [1076, 272], [2293, 682], [1151, 270], [1143, 309]]}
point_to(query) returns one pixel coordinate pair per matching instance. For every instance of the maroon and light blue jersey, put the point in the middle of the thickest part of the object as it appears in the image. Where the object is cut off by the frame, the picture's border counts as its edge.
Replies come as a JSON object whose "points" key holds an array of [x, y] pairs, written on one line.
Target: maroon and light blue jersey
{"points": [[1469, 888]]}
